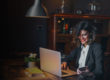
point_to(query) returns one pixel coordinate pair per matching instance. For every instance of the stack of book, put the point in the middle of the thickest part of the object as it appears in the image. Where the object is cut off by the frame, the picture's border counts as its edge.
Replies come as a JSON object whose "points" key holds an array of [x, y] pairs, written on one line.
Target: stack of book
{"points": [[34, 72]]}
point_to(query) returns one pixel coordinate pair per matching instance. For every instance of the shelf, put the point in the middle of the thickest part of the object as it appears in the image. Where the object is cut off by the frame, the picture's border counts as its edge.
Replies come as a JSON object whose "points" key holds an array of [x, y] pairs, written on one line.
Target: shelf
{"points": [[82, 16], [69, 35], [103, 35], [65, 35], [37, 16], [64, 38]]}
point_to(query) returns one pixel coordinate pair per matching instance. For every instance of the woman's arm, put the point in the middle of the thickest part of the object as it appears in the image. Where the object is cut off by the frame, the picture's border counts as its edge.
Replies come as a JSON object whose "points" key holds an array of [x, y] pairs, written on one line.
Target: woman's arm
{"points": [[68, 59], [71, 56], [99, 60]]}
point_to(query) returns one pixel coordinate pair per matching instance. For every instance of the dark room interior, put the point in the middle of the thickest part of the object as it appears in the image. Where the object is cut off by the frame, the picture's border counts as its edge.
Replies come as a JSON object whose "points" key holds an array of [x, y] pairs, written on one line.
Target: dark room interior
{"points": [[24, 34]]}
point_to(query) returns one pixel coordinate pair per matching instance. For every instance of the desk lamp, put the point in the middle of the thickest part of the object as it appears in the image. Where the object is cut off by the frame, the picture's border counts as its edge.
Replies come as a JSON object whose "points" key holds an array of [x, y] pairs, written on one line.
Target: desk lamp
{"points": [[36, 9]]}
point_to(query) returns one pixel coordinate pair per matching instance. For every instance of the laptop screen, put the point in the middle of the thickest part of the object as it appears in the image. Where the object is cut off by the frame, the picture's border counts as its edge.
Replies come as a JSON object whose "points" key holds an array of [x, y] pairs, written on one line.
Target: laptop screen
{"points": [[50, 61]]}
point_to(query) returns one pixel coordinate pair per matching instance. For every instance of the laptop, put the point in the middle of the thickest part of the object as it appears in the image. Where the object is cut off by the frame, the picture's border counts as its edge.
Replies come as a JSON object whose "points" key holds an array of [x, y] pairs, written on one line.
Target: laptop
{"points": [[50, 61]]}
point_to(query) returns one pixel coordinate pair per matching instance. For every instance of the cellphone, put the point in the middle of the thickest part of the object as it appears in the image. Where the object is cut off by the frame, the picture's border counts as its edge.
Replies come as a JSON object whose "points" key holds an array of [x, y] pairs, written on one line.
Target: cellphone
{"points": [[82, 68]]}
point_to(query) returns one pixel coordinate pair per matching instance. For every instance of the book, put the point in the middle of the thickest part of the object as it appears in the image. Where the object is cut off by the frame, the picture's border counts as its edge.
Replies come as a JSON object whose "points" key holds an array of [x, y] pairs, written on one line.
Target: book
{"points": [[34, 72]]}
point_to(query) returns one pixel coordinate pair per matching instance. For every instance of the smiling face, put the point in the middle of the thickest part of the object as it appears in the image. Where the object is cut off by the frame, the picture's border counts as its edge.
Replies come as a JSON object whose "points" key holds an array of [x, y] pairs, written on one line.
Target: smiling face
{"points": [[84, 37]]}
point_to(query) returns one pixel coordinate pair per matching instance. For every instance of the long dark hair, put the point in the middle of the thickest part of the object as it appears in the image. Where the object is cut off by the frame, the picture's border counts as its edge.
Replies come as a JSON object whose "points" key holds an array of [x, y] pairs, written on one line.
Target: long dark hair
{"points": [[89, 27]]}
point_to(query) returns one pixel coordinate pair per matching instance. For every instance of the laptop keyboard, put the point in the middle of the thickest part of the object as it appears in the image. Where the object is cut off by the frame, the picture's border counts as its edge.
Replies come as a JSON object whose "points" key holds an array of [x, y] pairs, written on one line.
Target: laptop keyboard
{"points": [[63, 73]]}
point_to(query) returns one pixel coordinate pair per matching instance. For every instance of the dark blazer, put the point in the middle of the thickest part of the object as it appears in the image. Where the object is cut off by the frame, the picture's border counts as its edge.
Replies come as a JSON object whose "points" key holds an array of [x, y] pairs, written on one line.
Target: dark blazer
{"points": [[94, 59]]}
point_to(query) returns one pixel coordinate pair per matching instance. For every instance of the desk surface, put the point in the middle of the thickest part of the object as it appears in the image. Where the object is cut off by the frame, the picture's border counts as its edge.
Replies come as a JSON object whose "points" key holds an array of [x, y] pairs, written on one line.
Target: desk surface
{"points": [[13, 71], [53, 77], [19, 74], [49, 76]]}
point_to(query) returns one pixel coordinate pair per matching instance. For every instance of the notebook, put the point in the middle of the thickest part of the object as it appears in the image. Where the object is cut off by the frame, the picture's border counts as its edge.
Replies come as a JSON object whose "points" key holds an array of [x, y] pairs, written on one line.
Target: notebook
{"points": [[50, 61]]}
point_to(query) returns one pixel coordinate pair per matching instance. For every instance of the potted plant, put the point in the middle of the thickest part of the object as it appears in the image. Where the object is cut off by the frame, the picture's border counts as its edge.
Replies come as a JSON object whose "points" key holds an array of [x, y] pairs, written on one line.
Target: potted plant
{"points": [[31, 60]]}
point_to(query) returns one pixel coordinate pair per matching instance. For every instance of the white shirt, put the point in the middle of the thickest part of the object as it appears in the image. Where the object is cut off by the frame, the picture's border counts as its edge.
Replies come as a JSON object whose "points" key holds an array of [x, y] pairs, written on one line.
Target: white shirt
{"points": [[83, 56]]}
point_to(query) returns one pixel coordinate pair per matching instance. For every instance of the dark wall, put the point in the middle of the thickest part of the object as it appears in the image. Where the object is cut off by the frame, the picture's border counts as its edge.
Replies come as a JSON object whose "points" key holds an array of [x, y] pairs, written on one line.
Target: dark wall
{"points": [[28, 36], [23, 33]]}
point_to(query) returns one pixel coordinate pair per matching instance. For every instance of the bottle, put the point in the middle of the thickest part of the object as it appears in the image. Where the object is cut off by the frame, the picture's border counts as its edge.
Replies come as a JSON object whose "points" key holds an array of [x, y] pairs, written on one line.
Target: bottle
{"points": [[62, 6], [66, 27], [63, 30], [71, 30], [94, 7]]}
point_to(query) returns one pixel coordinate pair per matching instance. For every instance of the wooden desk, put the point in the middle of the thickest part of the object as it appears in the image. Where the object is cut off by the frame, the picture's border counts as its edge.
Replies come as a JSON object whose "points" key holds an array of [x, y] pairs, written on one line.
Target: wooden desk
{"points": [[18, 74], [14, 70], [48, 76]]}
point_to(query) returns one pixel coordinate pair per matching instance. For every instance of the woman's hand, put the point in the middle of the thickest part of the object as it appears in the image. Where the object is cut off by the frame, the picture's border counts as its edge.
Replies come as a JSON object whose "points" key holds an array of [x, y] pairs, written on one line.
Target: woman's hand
{"points": [[64, 65], [82, 70], [78, 71]]}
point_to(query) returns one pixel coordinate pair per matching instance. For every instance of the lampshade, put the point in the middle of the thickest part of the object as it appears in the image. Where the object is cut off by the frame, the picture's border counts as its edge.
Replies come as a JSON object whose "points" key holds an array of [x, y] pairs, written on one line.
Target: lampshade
{"points": [[36, 9]]}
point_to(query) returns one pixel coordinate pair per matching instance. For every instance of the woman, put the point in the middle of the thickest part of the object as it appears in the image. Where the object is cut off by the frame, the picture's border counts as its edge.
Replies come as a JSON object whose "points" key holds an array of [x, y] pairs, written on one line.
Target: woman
{"points": [[88, 54]]}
